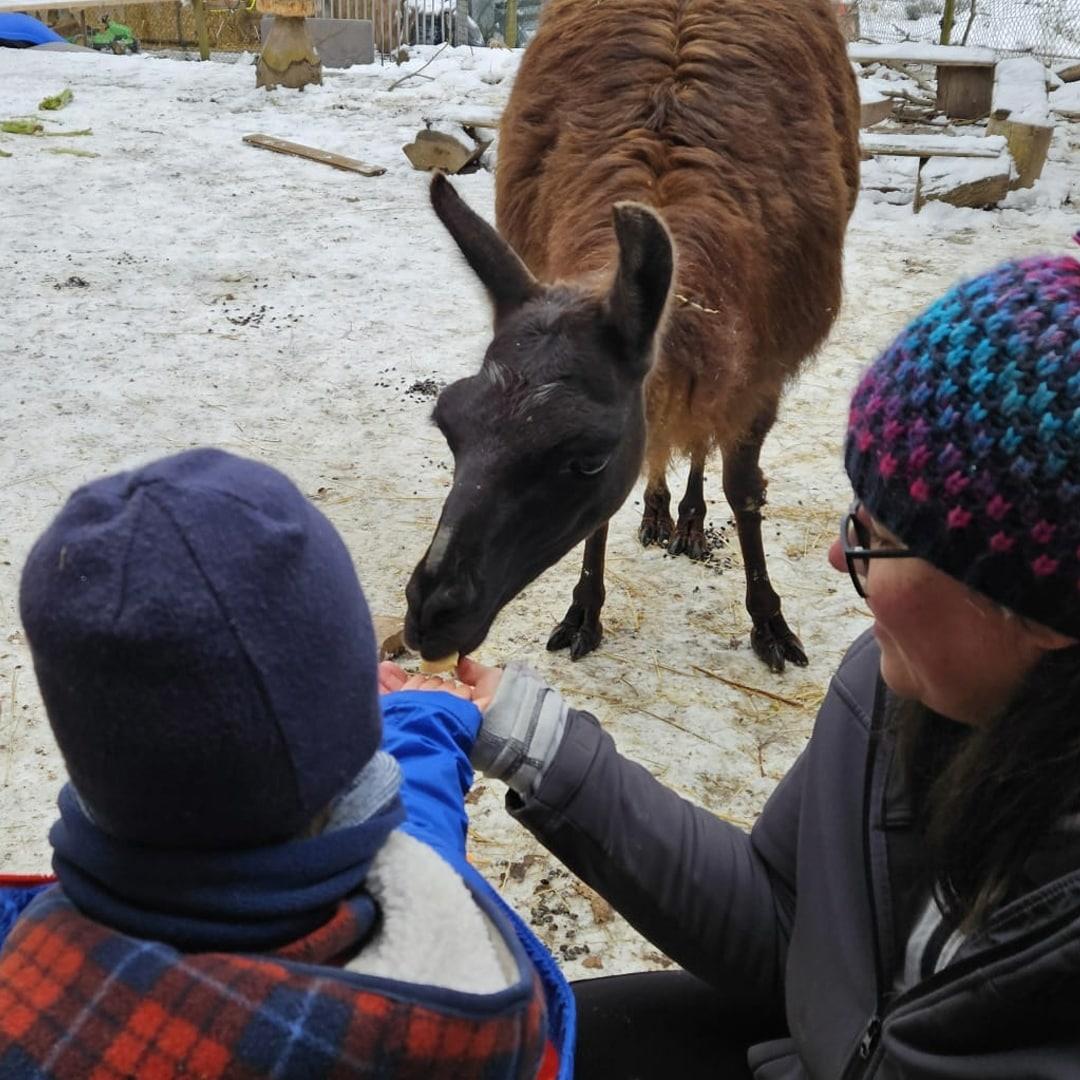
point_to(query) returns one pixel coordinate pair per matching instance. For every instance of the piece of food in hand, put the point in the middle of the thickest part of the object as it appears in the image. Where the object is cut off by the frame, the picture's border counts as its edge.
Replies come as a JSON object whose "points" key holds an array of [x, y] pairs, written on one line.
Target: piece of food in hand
{"points": [[440, 667]]}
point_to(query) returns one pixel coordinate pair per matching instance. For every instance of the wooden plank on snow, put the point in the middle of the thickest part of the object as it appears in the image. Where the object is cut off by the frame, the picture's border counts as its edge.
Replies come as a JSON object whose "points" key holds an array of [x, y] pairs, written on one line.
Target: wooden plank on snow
{"points": [[338, 161]]}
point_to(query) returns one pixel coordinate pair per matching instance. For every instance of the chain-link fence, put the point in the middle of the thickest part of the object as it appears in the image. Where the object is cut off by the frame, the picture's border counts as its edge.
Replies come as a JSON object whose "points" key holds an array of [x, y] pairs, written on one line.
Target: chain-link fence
{"points": [[1048, 29]]}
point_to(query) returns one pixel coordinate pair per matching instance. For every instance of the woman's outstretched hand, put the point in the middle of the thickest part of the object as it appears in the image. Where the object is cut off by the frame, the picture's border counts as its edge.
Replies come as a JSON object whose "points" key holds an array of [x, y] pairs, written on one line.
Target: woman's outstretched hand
{"points": [[483, 680]]}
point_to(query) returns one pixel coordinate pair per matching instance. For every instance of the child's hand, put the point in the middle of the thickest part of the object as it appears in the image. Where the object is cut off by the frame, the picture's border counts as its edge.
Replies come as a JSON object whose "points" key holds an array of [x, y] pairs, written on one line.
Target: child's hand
{"points": [[482, 680], [391, 677], [438, 682]]}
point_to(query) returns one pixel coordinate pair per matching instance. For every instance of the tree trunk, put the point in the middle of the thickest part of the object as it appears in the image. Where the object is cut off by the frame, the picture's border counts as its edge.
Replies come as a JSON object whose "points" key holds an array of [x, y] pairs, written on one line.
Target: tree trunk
{"points": [[948, 17]]}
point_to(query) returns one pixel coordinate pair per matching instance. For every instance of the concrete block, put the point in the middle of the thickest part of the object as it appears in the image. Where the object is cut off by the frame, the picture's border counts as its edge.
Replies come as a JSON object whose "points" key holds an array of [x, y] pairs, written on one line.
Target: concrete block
{"points": [[340, 43]]}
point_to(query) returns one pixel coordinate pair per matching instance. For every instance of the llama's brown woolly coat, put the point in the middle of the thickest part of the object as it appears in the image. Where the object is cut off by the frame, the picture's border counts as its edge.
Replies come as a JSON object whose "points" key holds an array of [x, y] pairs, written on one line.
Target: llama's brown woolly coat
{"points": [[738, 121]]}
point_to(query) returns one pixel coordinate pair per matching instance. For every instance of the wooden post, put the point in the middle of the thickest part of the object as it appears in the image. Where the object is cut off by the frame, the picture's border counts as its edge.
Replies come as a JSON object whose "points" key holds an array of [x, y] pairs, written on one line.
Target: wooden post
{"points": [[964, 93], [200, 29], [288, 56], [1021, 113], [461, 22], [511, 24]]}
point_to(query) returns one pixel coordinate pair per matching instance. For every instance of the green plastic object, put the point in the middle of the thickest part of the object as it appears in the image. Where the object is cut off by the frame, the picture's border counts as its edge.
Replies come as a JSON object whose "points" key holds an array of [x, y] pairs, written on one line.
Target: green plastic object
{"points": [[115, 36]]}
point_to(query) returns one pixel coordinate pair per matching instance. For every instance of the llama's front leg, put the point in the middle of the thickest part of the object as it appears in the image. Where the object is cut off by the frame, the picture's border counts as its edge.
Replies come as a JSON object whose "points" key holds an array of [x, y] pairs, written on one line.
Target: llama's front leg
{"points": [[580, 628], [744, 485], [689, 538], [656, 523]]}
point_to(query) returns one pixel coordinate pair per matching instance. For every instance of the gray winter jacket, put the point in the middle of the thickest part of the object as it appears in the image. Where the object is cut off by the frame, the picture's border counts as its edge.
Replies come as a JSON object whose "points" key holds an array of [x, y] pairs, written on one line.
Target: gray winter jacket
{"points": [[811, 910]]}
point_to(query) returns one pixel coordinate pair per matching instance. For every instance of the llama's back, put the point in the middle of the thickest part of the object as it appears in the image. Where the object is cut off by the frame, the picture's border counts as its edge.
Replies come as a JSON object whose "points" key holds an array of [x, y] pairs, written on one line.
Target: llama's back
{"points": [[738, 120]]}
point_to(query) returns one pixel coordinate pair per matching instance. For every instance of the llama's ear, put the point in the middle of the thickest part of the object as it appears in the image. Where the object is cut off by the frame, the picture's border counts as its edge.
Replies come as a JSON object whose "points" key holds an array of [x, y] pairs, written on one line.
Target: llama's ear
{"points": [[504, 275], [643, 281]]}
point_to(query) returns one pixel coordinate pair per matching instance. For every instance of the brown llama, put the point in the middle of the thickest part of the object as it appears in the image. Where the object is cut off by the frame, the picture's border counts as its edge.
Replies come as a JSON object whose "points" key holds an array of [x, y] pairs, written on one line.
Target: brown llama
{"points": [[726, 126]]}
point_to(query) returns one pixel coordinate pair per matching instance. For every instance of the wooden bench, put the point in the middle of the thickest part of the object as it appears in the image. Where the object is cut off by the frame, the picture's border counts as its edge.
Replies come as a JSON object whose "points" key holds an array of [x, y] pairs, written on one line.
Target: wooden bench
{"points": [[985, 189], [965, 74]]}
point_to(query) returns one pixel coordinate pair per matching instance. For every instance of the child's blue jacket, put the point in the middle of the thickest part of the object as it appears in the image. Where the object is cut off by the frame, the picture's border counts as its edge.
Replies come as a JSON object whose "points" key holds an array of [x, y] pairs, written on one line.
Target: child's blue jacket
{"points": [[430, 734]]}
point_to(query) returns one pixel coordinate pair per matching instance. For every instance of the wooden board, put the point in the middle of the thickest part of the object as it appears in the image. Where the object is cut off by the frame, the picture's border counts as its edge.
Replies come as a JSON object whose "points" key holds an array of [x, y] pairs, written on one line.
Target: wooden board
{"points": [[923, 146], [915, 52], [283, 146]]}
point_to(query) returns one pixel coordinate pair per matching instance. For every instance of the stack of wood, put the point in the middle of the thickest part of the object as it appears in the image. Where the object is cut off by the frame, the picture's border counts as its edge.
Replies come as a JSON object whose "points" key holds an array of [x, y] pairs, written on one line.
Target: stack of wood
{"points": [[1065, 92], [1019, 106]]}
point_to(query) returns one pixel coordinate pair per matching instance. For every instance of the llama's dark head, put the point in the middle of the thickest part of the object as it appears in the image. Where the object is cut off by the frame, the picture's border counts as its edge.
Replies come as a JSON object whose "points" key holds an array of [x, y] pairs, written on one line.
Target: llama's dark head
{"points": [[548, 436]]}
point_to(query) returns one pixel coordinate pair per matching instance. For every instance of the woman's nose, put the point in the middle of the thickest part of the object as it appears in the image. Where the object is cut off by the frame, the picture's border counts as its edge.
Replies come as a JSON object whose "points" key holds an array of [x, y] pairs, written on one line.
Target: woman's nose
{"points": [[836, 556]]}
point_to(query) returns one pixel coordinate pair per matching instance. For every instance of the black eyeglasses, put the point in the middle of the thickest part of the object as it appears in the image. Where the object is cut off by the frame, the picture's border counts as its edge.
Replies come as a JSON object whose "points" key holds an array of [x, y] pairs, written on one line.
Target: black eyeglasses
{"points": [[855, 540]]}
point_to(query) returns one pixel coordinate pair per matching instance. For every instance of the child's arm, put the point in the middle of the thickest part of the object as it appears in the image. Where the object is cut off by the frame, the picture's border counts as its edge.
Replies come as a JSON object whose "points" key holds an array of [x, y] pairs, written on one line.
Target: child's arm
{"points": [[430, 734]]}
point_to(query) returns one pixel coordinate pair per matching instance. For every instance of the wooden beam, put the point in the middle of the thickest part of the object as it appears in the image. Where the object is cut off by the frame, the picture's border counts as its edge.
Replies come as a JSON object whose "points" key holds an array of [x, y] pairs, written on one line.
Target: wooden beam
{"points": [[924, 146], [42, 5], [914, 52], [338, 161]]}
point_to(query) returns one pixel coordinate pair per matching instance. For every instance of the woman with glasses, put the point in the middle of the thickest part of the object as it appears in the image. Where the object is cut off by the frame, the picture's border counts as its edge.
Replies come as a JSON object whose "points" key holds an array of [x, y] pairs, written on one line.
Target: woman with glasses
{"points": [[908, 903]]}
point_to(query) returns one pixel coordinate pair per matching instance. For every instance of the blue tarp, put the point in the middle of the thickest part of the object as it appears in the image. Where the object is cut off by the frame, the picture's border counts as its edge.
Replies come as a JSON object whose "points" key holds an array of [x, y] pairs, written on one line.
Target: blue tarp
{"points": [[19, 29]]}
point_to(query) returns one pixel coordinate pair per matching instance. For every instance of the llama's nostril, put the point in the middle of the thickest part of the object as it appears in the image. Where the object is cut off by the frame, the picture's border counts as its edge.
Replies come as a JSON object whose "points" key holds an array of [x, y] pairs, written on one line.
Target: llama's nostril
{"points": [[447, 602]]}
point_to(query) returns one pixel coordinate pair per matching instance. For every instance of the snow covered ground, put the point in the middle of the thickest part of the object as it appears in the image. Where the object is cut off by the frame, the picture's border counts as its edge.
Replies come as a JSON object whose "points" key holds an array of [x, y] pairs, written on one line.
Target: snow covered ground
{"points": [[182, 288]]}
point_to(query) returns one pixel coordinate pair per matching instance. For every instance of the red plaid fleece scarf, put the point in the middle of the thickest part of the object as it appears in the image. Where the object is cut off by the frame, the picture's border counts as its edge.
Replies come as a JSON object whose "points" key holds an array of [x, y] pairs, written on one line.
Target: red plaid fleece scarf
{"points": [[81, 1002]]}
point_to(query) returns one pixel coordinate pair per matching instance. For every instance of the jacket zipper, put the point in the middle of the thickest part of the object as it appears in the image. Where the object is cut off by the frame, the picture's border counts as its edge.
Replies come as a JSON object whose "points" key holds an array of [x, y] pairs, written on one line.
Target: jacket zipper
{"points": [[862, 1058], [868, 1041]]}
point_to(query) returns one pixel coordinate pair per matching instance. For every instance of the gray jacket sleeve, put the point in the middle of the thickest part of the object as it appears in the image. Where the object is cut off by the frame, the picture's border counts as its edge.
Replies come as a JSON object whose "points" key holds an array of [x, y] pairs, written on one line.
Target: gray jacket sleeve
{"points": [[718, 901]]}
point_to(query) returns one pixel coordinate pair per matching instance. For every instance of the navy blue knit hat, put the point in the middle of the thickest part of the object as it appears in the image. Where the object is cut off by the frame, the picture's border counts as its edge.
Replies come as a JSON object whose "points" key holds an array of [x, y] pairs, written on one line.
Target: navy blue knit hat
{"points": [[204, 651]]}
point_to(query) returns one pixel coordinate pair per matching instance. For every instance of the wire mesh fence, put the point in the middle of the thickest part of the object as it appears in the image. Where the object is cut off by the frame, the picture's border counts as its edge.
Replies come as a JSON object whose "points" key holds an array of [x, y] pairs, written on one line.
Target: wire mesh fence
{"points": [[409, 22], [1048, 29]]}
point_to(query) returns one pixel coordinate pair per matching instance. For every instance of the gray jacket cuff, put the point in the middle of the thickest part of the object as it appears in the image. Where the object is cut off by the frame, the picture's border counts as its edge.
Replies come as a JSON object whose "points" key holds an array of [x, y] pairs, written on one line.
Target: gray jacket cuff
{"points": [[521, 730]]}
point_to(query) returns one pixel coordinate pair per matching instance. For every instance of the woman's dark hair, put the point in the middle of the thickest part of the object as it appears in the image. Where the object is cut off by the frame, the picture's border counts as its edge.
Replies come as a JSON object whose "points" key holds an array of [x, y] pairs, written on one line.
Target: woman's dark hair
{"points": [[984, 797]]}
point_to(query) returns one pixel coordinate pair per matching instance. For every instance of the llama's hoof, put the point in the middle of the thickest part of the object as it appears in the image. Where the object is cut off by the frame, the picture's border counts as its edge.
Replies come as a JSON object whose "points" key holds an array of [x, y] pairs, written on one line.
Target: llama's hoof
{"points": [[581, 636], [655, 530], [690, 542], [775, 643]]}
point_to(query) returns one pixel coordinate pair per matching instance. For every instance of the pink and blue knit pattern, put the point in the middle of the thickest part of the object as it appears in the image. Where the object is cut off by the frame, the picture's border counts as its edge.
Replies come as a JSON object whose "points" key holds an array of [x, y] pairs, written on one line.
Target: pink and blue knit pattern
{"points": [[964, 437]]}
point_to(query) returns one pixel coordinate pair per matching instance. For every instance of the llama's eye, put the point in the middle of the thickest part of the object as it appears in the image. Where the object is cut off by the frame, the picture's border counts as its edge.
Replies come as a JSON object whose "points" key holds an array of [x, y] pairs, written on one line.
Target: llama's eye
{"points": [[590, 466]]}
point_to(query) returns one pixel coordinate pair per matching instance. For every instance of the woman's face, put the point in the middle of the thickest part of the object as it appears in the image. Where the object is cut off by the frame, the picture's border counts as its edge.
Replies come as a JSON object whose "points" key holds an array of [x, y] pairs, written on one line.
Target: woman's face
{"points": [[942, 644]]}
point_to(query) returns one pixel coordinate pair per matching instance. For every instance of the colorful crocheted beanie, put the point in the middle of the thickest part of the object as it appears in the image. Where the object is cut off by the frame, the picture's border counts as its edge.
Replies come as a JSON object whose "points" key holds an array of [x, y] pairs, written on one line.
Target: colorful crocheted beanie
{"points": [[964, 437]]}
